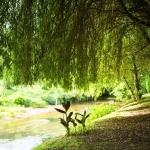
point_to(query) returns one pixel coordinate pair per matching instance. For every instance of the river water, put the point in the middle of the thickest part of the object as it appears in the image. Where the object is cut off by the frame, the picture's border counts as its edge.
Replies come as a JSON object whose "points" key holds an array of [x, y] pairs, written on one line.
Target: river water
{"points": [[26, 133]]}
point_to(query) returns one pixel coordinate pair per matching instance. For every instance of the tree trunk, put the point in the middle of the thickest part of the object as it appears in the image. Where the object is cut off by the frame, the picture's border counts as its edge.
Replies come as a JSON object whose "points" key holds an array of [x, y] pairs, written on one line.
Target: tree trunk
{"points": [[135, 79], [129, 88]]}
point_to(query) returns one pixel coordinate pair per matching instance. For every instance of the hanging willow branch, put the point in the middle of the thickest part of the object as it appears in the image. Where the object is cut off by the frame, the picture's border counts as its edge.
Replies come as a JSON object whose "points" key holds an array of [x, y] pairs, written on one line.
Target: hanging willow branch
{"points": [[65, 41]]}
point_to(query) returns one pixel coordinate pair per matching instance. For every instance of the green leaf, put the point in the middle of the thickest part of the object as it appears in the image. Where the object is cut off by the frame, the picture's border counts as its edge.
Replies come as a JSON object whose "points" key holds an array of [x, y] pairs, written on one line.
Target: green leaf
{"points": [[64, 123], [84, 112], [73, 122], [66, 105], [61, 111], [79, 121], [87, 116], [70, 114]]}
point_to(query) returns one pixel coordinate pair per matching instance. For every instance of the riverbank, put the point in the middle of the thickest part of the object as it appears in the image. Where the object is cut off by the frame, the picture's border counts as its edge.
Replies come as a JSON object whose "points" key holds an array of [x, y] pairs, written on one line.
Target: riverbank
{"points": [[29, 129], [127, 128], [23, 112], [10, 113]]}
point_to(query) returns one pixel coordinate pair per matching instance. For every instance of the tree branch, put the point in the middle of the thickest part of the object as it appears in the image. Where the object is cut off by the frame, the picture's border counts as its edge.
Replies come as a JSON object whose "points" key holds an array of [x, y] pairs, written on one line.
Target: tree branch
{"points": [[131, 16]]}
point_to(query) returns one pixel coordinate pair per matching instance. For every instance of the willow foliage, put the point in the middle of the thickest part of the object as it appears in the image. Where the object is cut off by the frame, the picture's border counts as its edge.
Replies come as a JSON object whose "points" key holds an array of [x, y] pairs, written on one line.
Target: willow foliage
{"points": [[71, 42]]}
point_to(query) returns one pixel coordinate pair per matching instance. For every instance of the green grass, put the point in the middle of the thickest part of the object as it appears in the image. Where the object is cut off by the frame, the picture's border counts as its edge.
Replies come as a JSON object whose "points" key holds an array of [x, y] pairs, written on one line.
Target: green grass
{"points": [[96, 111], [60, 143], [102, 109]]}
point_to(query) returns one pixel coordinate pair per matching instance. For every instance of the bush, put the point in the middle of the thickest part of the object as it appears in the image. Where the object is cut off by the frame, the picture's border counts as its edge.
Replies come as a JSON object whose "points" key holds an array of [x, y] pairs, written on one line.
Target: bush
{"points": [[49, 98], [30, 103], [72, 98], [23, 102], [62, 99], [121, 92], [83, 98]]}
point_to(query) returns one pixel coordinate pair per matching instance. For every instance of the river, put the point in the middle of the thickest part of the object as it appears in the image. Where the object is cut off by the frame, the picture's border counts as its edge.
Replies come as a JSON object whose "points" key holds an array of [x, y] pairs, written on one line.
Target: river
{"points": [[26, 133]]}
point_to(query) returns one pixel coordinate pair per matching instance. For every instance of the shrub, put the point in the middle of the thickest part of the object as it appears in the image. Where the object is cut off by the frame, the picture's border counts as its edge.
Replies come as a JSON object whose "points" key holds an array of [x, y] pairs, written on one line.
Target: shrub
{"points": [[121, 92], [83, 98], [23, 102], [62, 99], [30, 103], [72, 98], [48, 98]]}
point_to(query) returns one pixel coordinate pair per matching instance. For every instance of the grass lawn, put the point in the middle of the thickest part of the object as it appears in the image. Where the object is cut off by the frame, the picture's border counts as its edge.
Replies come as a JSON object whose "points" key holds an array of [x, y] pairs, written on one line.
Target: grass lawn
{"points": [[127, 128]]}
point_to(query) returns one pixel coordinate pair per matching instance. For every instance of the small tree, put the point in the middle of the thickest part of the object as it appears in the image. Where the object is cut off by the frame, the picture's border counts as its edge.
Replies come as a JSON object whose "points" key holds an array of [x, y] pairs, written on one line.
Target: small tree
{"points": [[67, 117]]}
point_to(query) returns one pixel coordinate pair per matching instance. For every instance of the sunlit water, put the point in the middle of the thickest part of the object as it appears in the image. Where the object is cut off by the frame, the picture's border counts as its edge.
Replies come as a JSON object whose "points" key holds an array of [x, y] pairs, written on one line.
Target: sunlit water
{"points": [[25, 143], [24, 134]]}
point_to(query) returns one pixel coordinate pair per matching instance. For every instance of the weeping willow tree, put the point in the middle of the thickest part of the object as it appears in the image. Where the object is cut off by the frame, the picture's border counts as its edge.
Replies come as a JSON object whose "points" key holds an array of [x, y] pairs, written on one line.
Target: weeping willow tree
{"points": [[78, 42]]}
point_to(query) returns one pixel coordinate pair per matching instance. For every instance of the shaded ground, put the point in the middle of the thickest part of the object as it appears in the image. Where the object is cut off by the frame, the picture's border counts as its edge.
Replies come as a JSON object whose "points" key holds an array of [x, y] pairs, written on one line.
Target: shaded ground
{"points": [[126, 129], [127, 133]]}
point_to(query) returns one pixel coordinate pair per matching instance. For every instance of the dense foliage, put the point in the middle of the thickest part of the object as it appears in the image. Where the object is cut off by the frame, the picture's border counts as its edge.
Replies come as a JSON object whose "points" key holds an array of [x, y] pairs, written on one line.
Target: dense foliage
{"points": [[78, 43]]}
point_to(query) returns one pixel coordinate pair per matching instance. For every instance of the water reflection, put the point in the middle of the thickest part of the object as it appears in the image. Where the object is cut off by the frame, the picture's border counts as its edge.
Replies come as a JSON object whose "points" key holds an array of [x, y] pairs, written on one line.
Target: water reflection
{"points": [[26, 143]]}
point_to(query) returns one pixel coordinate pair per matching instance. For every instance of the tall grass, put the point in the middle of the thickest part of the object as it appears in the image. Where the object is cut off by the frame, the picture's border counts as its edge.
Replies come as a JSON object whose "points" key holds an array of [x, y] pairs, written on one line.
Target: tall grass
{"points": [[97, 111], [101, 110]]}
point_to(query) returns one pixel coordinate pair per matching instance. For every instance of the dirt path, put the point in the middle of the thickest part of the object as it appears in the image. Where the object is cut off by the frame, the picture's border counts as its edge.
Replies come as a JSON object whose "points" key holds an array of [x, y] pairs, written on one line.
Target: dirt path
{"points": [[126, 129]]}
